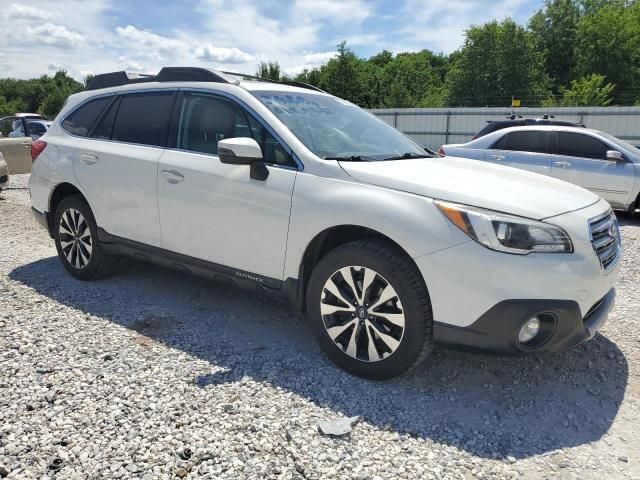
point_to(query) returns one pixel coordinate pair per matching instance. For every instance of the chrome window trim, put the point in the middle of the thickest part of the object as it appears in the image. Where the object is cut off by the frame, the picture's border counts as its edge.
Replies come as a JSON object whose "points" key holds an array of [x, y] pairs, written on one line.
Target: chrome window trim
{"points": [[258, 118]]}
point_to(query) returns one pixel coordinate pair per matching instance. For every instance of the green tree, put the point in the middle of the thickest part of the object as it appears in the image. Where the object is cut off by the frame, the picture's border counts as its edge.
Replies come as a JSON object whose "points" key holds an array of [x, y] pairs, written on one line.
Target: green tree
{"points": [[554, 32], [590, 91], [342, 75], [269, 71], [44, 95], [497, 61], [608, 43]]}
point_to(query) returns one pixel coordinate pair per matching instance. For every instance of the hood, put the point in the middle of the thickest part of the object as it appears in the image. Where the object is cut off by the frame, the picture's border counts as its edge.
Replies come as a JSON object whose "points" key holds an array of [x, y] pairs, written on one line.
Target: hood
{"points": [[472, 182]]}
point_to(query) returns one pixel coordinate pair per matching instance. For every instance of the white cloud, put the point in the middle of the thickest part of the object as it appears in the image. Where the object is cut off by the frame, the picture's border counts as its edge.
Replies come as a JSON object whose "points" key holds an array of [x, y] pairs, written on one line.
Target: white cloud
{"points": [[18, 11], [440, 24], [165, 46], [309, 61], [354, 11], [51, 34], [223, 54], [55, 66], [130, 65]]}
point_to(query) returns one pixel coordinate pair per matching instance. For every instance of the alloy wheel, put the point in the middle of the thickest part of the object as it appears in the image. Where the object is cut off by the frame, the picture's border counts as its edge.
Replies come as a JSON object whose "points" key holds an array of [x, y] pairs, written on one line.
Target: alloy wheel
{"points": [[362, 313], [75, 238]]}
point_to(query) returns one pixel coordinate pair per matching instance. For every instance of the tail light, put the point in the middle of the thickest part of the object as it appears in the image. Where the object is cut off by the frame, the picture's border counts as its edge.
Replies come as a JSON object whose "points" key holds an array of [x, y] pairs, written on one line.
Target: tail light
{"points": [[36, 149], [441, 151]]}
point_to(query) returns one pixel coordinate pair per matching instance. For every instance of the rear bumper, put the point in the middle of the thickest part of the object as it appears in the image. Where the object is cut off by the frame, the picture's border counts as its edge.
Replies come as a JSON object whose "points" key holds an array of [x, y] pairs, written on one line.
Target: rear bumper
{"points": [[497, 330]]}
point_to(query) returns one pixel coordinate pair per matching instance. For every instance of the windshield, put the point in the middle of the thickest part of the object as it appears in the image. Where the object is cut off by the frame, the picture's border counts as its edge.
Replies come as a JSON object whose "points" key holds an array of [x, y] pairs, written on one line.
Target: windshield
{"points": [[336, 129], [627, 148]]}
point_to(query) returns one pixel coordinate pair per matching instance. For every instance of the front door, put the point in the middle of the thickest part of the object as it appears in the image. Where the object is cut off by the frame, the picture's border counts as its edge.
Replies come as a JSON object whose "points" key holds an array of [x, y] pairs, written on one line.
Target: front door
{"points": [[582, 159], [214, 211], [15, 145]]}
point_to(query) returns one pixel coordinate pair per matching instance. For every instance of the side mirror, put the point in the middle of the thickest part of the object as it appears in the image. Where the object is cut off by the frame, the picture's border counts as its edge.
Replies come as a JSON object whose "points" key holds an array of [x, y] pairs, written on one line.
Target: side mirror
{"points": [[244, 151], [614, 155]]}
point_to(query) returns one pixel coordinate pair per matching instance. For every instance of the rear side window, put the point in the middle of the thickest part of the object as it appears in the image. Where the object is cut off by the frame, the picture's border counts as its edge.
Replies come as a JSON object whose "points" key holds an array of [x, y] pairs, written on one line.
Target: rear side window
{"points": [[143, 118], [105, 126], [579, 145], [532, 141], [80, 121]]}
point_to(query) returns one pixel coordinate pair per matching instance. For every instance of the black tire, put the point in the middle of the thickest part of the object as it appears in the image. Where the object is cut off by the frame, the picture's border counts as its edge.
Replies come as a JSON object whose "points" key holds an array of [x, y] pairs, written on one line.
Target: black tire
{"points": [[99, 264], [395, 268]]}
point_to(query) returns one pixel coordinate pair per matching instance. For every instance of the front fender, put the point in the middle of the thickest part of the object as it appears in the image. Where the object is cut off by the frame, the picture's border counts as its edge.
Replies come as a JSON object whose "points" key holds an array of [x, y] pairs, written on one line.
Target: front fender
{"points": [[319, 203]]}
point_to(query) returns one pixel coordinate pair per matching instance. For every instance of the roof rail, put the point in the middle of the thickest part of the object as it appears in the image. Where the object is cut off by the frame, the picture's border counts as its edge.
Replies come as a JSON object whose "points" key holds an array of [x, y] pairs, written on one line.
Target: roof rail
{"points": [[182, 74], [293, 83], [167, 74]]}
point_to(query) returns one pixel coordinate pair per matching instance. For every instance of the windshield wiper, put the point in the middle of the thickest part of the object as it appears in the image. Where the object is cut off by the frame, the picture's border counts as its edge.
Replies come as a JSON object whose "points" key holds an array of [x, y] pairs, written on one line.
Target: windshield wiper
{"points": [[407, 156], [353, 158]]}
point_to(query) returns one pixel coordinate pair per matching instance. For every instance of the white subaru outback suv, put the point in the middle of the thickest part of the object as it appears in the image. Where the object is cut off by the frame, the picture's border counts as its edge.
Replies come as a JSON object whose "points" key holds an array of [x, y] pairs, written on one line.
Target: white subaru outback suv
{"points": [[303, 195]]}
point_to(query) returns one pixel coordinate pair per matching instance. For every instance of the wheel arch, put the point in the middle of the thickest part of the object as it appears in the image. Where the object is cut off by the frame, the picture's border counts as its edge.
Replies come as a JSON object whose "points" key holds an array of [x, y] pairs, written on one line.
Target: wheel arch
{"points": [[326, 241], [60, 192]]}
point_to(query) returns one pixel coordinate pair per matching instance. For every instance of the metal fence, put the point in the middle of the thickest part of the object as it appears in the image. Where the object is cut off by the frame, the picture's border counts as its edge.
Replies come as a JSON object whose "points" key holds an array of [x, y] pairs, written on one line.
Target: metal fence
{"points": [[437, 126]]}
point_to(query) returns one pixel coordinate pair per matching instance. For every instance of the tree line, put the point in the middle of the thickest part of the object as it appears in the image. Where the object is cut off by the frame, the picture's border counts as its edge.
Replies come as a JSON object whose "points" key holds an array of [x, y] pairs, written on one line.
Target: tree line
{"points": [[570, 53]]}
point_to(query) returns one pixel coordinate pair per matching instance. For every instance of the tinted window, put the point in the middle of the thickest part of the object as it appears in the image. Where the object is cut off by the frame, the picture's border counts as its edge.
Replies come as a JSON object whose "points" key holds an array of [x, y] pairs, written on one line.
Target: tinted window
{"points": [[105, 125], [205, 120], [82, 119], [143, 118], [272, 150], [535, 142], [579, 145], [36, 128], [11, 127]]}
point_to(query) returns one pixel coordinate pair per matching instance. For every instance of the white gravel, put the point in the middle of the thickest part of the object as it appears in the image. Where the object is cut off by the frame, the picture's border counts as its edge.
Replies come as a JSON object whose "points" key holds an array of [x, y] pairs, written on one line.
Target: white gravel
{"points": [[153, 374]]}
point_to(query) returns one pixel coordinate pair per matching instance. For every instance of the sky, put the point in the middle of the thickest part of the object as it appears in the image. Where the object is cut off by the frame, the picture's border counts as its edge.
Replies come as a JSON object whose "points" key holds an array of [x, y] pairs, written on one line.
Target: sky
{"points": [[97, 36]]}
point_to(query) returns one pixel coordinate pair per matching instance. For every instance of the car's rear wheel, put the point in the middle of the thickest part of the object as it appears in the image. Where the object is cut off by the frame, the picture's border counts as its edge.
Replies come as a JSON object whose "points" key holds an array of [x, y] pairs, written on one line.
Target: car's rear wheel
{"points": [[370, 310], [76, 236]]}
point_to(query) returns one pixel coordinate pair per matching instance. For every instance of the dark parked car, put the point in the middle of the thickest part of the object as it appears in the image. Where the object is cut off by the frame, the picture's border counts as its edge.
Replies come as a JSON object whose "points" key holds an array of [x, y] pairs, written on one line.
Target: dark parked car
{"points": [[517, 121]]}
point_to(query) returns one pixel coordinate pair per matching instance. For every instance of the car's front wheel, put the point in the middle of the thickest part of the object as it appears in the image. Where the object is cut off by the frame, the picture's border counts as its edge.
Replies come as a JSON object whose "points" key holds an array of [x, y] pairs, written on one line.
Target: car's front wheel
{"points": [[370, 310], [76, 236]]}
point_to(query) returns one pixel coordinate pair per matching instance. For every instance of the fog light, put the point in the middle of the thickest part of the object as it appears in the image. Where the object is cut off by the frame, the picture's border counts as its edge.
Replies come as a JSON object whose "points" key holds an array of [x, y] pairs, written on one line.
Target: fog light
{"points": [[529, 330]]}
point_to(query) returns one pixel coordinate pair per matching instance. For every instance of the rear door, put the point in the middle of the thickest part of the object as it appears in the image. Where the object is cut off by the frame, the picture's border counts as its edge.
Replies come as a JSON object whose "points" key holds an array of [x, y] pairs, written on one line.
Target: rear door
{"points": [[15, 145], [582, 159], [524, 149], [117, 164]]}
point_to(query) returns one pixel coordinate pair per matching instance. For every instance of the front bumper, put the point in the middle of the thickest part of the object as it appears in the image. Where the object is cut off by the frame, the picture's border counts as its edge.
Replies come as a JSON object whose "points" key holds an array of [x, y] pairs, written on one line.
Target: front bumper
{"points": [[497, 330]]}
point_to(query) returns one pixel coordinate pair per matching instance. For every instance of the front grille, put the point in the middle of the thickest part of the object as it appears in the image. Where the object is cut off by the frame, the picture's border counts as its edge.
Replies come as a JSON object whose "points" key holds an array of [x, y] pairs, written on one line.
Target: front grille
{"points": [[605, 238]]}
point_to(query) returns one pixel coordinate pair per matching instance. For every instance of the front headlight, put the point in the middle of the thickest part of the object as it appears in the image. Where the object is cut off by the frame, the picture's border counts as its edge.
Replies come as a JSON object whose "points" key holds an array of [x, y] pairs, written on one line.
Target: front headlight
{"points": [[506, 233]]}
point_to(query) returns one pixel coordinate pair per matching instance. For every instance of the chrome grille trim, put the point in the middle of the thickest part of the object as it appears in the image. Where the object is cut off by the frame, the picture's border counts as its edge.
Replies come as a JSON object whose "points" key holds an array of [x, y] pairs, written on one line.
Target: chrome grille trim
{"points": [[605, 245]]}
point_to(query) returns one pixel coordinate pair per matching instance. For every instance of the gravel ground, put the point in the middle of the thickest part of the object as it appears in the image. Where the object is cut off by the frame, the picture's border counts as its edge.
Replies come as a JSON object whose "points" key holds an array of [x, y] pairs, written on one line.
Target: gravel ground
{"points": [[154, 374]]}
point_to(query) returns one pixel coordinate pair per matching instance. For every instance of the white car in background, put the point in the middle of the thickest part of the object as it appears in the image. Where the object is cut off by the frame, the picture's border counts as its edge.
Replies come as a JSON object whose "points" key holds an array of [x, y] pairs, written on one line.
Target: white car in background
{"points": [[592, 159], [286, 189]]}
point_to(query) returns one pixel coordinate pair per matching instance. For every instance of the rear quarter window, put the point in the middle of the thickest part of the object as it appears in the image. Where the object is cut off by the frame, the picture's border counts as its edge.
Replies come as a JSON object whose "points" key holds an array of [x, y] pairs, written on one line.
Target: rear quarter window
{"points": [[80, 121]]}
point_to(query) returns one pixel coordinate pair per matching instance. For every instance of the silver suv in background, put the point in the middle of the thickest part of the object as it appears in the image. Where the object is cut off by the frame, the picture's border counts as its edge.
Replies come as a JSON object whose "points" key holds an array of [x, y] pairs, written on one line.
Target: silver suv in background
{"points": [[597, 161]]}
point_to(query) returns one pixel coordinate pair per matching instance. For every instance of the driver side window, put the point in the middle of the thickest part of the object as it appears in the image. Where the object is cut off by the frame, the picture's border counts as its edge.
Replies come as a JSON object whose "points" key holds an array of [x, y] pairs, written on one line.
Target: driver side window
{"points": [[206, 119]]}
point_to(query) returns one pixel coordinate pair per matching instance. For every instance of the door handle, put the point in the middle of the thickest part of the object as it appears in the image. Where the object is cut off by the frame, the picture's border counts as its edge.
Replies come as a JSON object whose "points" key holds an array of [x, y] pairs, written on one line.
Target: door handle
{"points": [[26, 144], [172, 176], [563, 164], [89, 159], [497, 157]]}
